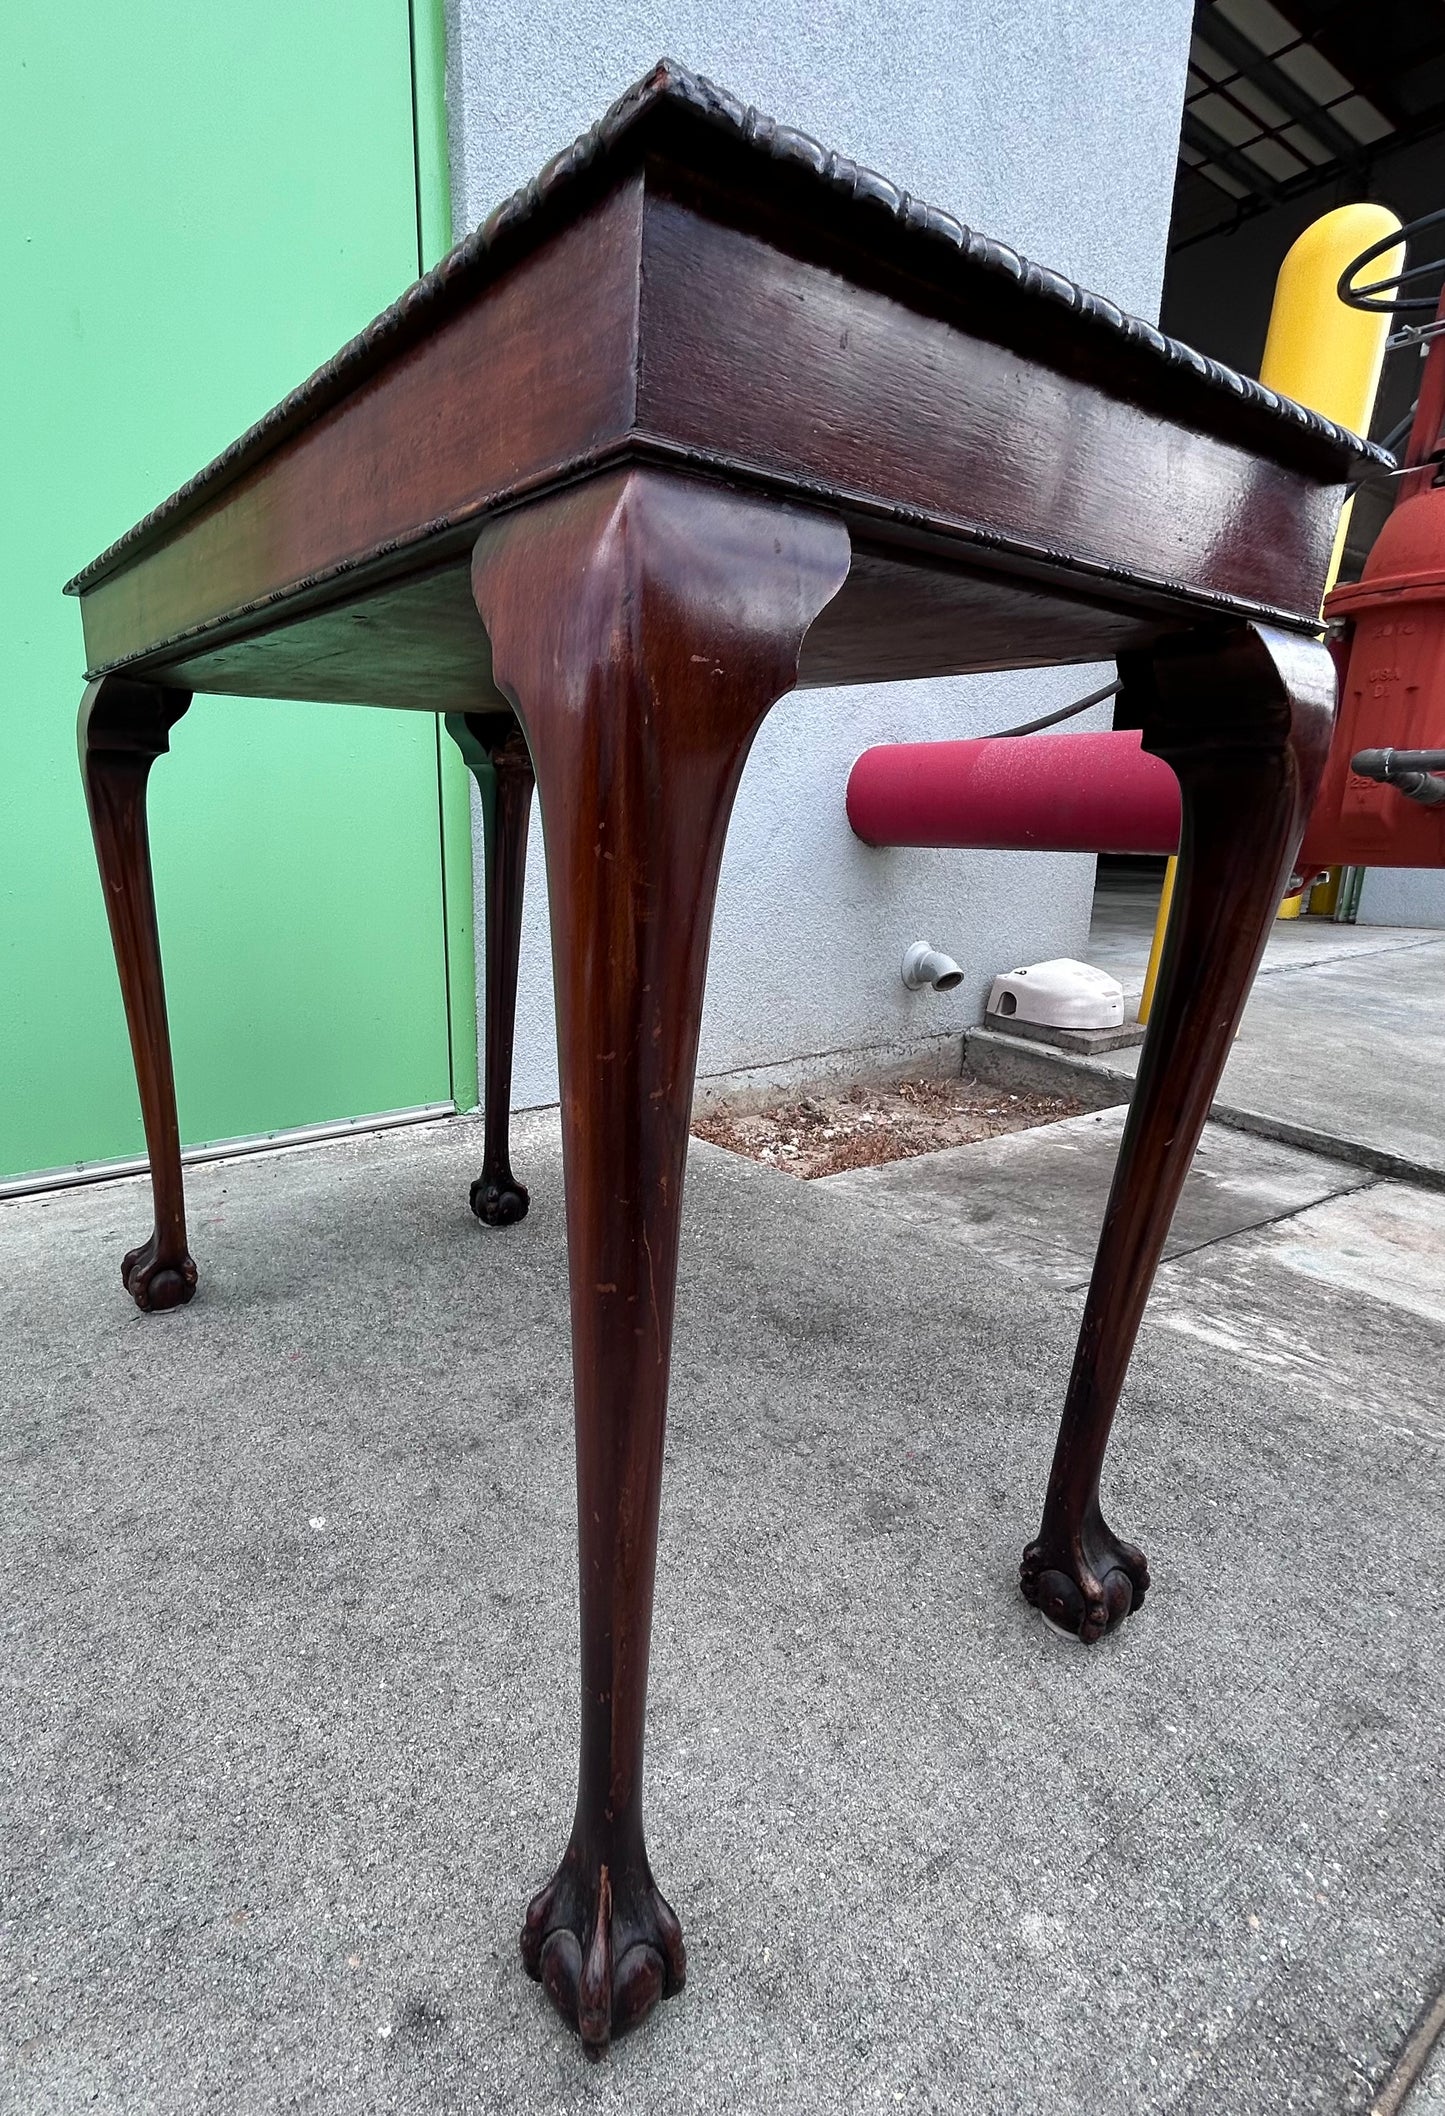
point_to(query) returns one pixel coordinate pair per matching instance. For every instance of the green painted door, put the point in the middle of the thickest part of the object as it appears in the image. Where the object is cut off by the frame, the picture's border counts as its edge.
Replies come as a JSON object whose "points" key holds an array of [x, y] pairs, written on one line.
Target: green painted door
{"points": [[200, 204]]}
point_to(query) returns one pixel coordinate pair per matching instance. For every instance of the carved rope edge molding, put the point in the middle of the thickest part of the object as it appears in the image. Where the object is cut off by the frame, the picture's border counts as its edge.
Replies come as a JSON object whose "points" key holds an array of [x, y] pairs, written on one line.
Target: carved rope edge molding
{"points": [[670, 83]]}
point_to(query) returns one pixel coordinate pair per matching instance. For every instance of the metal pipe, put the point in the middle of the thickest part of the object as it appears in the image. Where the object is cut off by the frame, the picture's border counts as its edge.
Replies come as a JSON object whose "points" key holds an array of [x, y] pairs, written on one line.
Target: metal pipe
{"points": [[1411, 772]]}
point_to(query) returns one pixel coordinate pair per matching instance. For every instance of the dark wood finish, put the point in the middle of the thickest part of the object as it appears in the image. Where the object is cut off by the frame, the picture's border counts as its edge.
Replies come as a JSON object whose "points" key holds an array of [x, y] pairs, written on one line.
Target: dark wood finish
{"points": [[1244, 718], [497, 756], [916, 612], [988, 438], [642, 626], [921, 379], [497, 397], [643, 416], [123, 728], [414, 641]]}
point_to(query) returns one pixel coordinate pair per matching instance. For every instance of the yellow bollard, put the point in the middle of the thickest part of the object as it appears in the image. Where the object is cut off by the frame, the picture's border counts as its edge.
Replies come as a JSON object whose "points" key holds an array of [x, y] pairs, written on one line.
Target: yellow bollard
{"points": [[1156, 946], [1325, 355]]}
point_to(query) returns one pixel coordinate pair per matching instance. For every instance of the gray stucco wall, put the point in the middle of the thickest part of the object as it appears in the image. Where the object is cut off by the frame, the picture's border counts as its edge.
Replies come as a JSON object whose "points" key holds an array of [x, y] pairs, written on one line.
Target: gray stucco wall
{"points": [[1053, 124], [1402, 896]]}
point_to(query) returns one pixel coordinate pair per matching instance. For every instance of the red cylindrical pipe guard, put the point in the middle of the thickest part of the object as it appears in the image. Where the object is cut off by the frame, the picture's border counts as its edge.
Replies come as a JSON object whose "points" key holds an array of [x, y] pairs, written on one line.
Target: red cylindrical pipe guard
{"points": [[1098, 792]]}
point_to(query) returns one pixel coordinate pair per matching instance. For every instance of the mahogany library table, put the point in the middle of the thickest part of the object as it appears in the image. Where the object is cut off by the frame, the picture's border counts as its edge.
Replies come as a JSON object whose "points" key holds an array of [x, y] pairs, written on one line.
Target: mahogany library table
{"points": [[704, 413]]}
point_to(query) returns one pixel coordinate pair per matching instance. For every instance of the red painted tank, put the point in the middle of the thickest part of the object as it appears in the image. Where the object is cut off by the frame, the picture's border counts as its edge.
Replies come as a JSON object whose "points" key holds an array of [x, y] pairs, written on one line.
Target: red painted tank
{"points": [[1392, 695], [1392, 690]]}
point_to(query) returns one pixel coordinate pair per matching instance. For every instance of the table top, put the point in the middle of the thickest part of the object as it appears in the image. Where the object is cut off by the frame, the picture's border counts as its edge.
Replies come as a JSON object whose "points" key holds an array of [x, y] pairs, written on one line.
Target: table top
{"points": [[1028, 474]]}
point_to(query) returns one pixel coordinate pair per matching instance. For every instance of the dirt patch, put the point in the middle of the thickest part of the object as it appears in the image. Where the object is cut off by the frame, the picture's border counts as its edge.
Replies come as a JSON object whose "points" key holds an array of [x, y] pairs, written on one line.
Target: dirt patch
{"points": [[862, 1127]]}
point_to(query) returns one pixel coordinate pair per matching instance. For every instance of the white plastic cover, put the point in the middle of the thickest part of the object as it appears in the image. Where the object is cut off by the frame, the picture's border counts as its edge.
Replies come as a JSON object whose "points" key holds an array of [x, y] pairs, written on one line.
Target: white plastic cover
{"points": [[1060, 995]]}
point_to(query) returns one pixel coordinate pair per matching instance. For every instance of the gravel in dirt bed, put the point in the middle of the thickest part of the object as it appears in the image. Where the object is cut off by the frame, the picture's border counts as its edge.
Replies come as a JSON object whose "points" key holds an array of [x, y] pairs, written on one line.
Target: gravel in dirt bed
{"points": [[861, 1127]]}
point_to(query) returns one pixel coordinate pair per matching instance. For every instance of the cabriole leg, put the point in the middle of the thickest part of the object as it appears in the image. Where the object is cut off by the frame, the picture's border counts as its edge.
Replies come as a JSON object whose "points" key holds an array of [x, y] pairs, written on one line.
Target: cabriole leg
{"points": [[1244, 717], [124, 727], [496, 754], [642, 624]]}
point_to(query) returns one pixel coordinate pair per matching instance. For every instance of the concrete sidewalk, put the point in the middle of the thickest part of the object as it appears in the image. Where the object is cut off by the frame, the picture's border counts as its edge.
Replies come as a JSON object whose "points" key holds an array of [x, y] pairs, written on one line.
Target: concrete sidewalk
{"points": [[289, 1667], [1123, 927], [1341, 1047]]}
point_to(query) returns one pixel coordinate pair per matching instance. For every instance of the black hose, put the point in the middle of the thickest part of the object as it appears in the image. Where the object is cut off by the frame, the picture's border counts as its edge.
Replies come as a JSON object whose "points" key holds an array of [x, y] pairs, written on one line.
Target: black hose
{"points": [[1065, 712], [1382, 297]]}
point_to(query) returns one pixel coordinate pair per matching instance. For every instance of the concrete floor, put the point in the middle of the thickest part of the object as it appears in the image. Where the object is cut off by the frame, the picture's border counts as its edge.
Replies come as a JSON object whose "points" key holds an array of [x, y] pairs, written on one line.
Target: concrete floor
{"points": [[288, 1667], [1125, 907], [1340, 1045], [1428, 2098]]}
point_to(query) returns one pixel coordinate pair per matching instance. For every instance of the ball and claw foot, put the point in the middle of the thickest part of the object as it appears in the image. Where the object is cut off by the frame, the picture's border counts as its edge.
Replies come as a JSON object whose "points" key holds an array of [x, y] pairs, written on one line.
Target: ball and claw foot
{"points": [[499, 1201], [153, 1283], [603, 1962], [1087, 1586]]}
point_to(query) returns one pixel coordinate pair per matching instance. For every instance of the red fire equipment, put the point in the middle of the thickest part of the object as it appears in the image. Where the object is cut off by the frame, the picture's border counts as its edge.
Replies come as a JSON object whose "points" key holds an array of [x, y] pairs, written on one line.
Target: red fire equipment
{"points": [[1392, 692]]}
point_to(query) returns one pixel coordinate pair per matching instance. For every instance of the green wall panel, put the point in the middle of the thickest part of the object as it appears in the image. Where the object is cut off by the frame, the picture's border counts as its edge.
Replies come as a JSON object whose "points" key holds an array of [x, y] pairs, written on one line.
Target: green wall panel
{"points": [[199, 205]]}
